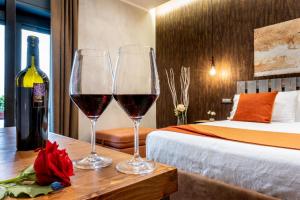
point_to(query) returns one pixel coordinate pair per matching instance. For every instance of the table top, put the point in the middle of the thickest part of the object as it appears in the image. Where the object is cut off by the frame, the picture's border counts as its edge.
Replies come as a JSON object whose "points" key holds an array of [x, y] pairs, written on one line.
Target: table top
{"points": [[106, 183]]}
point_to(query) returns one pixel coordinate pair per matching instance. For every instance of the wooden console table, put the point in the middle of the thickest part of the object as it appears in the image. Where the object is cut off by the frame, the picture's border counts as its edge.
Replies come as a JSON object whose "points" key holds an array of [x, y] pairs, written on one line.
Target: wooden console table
{"points": [[104, 183]]}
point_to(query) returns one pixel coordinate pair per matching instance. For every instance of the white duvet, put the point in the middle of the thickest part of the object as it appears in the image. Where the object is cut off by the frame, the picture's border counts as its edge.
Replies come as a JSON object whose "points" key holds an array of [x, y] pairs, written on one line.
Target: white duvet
{"points": [[269, 170]]}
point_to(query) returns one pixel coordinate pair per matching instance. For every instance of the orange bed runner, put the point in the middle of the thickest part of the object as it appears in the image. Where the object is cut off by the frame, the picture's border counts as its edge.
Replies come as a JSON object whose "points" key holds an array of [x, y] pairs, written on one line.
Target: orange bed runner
{"points": [[266, 138]]}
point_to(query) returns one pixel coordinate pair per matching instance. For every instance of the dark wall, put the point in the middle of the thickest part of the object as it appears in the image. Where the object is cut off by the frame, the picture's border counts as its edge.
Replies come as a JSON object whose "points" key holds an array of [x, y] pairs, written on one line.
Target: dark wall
{"points": [[183, 37]]}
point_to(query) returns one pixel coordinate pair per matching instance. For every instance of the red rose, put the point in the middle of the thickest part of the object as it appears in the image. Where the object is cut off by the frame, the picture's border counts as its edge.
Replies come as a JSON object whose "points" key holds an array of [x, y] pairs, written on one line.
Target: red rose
{"points": [[53, 165]]}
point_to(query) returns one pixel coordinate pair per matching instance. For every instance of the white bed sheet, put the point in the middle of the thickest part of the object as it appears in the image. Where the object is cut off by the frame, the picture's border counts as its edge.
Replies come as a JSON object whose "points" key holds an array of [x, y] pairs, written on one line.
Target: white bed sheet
{"points": [[269, 170]]}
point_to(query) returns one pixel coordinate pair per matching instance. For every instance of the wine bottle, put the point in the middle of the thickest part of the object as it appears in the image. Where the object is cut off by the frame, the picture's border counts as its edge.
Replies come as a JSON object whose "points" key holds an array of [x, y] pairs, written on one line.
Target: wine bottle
{"points": [[32, 101]]}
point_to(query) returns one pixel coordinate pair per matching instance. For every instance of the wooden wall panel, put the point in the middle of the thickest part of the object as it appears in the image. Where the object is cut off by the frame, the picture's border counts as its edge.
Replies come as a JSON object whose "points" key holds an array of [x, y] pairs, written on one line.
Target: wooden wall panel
{"points": [[183, 38]]}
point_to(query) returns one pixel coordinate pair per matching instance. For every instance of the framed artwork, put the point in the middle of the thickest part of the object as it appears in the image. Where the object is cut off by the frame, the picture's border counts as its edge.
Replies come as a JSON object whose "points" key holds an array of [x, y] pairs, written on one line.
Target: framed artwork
{"points": [[277, 49]]}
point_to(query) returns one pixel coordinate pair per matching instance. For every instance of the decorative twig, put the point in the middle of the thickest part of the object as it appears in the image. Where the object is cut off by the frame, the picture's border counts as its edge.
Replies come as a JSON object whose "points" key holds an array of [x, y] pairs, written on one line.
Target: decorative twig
{"points": [[185, 83], [171, 83]]}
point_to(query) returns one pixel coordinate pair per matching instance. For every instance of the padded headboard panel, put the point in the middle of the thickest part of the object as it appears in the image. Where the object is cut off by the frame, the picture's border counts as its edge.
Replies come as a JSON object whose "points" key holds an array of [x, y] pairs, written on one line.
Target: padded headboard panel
{"points": [[267, 85]]}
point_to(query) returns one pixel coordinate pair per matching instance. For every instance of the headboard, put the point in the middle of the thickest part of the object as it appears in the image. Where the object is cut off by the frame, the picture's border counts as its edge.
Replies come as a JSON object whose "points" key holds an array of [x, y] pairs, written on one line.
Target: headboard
{"points": [[267, 85]]}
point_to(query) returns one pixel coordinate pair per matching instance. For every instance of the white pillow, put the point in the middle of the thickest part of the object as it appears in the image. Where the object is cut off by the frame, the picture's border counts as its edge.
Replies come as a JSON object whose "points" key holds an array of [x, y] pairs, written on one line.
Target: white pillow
{"points": [[235, 104], [285, 107], [298, 108]]}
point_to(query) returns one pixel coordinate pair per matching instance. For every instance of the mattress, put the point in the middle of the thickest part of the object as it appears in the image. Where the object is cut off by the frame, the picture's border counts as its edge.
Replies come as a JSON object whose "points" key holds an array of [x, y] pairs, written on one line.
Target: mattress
{"points": [[268, 170]]}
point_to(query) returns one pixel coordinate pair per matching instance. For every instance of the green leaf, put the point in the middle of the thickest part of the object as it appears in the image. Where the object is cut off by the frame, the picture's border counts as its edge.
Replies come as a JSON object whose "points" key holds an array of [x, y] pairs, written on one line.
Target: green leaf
{"points": [[27, 174], [28, 170], [2, 99], [2, 192], [32, 190]]}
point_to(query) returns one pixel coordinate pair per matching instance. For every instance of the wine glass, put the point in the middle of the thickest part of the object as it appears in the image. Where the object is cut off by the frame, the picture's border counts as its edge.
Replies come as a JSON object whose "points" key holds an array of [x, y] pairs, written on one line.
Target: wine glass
{"points": [[136, 88], [91, 90]]}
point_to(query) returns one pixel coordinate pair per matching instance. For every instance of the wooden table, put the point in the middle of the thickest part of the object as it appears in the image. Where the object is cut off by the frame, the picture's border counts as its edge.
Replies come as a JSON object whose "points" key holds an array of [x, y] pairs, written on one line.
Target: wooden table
{"points": [[104, 183]]}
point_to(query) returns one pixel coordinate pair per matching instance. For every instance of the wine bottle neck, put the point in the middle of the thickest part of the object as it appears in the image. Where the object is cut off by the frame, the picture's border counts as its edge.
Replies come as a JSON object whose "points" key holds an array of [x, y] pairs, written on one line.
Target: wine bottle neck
{"points": [[33, 56]]}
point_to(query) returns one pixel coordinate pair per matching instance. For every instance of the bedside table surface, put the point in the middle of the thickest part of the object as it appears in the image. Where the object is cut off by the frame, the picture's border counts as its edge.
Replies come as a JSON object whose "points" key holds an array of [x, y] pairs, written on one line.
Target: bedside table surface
{"points": [[202, 121]]}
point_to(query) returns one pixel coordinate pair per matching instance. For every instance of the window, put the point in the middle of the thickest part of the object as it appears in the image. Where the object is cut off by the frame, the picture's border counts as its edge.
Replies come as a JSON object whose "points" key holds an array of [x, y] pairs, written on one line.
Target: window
{"points": [[44, 47], [2, 55], [22, 18]]}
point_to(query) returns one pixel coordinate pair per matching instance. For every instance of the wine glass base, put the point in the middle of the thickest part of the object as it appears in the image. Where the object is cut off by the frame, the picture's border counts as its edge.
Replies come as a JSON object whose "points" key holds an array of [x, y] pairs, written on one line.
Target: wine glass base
{"points": [[136, 166], [93, 161]]}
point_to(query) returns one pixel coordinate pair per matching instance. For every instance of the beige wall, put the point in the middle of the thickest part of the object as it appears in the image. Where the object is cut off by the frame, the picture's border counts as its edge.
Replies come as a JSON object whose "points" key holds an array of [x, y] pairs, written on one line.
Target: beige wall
{"points": [[111, 24]]}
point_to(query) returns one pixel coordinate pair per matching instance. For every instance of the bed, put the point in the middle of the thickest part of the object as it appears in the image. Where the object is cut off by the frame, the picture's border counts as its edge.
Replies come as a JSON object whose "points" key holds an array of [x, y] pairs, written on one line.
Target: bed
{"points": [[213, 168]]}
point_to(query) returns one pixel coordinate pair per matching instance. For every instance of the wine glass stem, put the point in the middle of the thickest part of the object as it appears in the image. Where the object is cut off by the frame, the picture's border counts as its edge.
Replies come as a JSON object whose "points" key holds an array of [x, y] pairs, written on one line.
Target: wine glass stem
{"points": [[93, 137], [136, 154]]}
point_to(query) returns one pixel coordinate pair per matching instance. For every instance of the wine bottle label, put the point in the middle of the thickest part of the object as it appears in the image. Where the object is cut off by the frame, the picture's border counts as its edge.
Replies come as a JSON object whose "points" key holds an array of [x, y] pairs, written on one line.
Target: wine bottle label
{"points": [[39, 92]]}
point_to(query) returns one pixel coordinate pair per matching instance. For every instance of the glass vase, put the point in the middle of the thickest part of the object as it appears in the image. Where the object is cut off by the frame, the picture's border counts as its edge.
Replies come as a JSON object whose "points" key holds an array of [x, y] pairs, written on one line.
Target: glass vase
{"points": [[182, 119]]}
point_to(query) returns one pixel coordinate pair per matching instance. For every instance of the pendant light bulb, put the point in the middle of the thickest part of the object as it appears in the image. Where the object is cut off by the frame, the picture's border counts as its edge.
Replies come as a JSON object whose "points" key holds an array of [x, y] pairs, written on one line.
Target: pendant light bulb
{"points": [[212, 70]]}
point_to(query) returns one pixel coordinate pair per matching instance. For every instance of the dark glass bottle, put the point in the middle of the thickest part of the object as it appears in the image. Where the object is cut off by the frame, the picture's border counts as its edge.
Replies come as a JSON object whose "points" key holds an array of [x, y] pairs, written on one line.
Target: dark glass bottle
{"points": [[32, 101]]}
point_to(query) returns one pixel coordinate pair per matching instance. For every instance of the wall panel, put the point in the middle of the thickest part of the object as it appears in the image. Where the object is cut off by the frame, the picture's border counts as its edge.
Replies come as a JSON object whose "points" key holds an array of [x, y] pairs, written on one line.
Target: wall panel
{"points": [[183, 37]]}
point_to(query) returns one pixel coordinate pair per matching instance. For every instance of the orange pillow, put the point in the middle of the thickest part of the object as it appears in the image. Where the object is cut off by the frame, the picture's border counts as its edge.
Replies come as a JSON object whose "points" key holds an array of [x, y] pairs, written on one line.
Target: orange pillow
{"points": [[255, 107]]}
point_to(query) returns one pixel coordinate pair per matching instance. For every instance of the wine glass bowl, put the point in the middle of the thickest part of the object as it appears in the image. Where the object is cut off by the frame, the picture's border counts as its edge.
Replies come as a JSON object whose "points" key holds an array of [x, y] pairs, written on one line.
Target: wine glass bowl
{"points": [[136, 88], [91, 90]]}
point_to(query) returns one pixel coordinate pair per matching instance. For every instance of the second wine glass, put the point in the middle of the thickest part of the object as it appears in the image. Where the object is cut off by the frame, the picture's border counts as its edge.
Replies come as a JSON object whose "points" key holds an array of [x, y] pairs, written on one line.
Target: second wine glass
{"points": [[136, 88]]}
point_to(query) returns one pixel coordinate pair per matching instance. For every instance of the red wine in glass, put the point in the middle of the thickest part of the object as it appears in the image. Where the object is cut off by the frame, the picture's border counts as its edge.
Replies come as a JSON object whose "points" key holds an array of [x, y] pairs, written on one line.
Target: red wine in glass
{"points": [[135, 105], [92, 105]]}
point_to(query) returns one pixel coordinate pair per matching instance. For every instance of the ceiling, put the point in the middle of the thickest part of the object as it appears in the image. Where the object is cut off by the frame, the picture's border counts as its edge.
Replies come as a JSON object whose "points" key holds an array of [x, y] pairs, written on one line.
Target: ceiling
{"points": [[145, 4]]}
